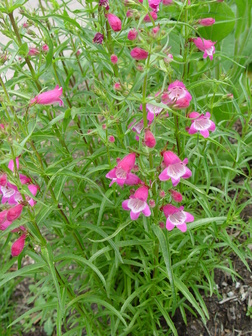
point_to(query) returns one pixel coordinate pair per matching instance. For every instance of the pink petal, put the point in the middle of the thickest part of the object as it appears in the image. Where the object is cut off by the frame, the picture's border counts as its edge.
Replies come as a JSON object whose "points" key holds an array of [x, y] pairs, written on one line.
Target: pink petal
{"points": [[170, 158], [187, 174], [5, 225], [182, 227], [132, 179], [125, 205], [169, 225], [164, 176], [192, 129], [111, 174], [128, 162], [205, 133], [134, 216], [142, 193], [146, 211], [194, 115], [33, 189], [18, 246], [169, 209], [175, 182], [189, 217], [11, 164], [212, 127]]}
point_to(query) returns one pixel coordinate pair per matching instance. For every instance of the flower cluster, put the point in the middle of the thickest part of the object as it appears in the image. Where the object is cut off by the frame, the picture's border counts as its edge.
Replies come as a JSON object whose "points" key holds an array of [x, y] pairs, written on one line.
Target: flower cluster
{"points": [[173, 168], [15, 203]]}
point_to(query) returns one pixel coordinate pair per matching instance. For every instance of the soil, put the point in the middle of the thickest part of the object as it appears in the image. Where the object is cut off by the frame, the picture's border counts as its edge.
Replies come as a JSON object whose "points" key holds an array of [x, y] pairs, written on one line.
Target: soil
{"points": [[228, 312]]}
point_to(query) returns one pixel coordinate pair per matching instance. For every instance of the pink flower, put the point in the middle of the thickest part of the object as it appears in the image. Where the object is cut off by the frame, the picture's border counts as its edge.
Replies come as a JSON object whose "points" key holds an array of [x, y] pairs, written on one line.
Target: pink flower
{"points": [[114, 22], [25, 25], [3, 180], [14, 212], [137, 127], [168, 59], [149, 139], [45, 48], [155, 30], [154, 4], [33, 52], [175, 168], [121, 173], [153, 111], [114, 59], [18, 246], [111, 138], [11, 164], [176, 217], [129, 13], [147, 17], [176, 96], [177, 197], [139, 54], [206, 21], [152, 203], [205, 45], [137, 203], [167, 2], [201, 123], [132, 35], [98, 38], [117, 86], [104, 3], [49, 97]]}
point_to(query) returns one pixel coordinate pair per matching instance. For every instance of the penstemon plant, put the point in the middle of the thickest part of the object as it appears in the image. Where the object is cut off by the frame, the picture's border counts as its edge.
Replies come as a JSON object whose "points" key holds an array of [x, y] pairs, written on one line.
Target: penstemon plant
{"points": [[118, 159]]}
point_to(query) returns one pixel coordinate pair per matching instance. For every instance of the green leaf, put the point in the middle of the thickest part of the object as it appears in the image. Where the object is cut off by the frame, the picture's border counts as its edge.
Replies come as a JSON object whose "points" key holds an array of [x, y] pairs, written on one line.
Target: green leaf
{"points": [[224, 22], [164, 244], [185, 291]]}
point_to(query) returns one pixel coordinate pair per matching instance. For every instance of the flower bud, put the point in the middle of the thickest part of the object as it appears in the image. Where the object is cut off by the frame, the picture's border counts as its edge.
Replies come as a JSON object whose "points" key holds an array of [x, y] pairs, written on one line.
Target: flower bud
{"points": [[162, 193], [45, 48], [3, 180], [117, 86], [161, 225], [147, 17], [14, 212], [177, 197], [152, 203], [98, 38], [18, 246], [168, 59], [149, 139], [206, 22], [114, 59], [167, 2], [33, 52], [132, 35], [139, 54], [114, 22], [111, 138]]}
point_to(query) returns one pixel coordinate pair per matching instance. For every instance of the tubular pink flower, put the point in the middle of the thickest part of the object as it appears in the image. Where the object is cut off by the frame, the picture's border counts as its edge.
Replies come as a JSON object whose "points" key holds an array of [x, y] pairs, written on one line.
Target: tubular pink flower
{"points": [[176, 196], [114, 59], [206, 22], [49, 97], [137, 203], [149, 139], [205, 45], [33, 52], [176, 96], [139, 54], [14, 213], [18, 246], [175, 168], [114, 22], [147, 17], [176, 217], [154, 4], [3, 180], [121, 173], [98, 38], [132, 35], [11, 164], [201, 123], [104, 3], [45, 48]]}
